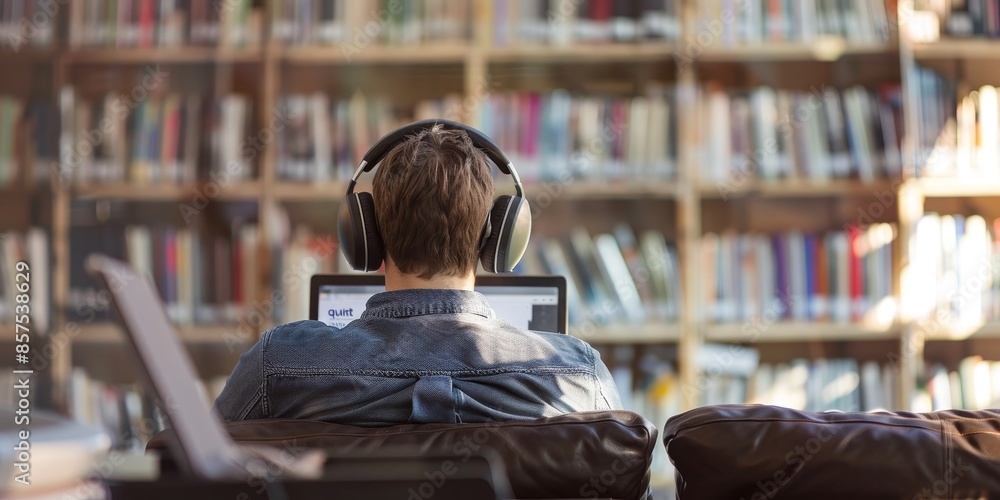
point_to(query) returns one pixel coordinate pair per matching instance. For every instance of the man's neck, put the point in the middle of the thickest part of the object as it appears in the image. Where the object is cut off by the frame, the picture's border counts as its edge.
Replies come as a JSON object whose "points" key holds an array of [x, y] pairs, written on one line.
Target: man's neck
{"points": [[396, 280]]}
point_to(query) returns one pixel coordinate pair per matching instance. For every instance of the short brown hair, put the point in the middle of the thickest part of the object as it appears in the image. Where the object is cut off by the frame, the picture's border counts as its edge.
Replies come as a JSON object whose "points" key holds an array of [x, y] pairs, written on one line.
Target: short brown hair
{"points": [[432, 195]]}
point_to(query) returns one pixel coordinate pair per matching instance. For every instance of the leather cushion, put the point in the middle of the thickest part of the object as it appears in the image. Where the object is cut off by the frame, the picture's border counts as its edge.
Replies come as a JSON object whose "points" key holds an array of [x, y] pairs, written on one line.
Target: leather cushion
{"points": [[584, 454], [766, 452]]}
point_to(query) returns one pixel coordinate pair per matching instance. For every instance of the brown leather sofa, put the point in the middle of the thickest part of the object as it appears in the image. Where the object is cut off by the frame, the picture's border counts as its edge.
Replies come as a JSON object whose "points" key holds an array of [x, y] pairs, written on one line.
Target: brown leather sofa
{"points": [[758, 452], [578, 455]]}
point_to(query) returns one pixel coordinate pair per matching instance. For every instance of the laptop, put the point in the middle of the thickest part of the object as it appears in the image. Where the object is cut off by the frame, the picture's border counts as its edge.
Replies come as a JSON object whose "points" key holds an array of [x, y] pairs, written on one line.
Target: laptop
{"points": [[528, 302], [205, 451]]}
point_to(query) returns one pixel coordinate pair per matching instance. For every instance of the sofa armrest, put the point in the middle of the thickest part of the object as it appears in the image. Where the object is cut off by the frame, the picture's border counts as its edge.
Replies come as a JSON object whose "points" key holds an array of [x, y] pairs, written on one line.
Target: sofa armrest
{"points": [[767, 452]]}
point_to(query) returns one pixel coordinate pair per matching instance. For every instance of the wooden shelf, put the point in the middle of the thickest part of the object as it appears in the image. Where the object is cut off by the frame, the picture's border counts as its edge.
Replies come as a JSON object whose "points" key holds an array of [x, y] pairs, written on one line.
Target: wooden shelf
{"points": [[822, 50], [572, 190], [990, 330], [597, 189], [166, 192], [950, 48], [797, 189], [377, 54], [828, 50], [958, 188], [18, 190], [171, 55], [27, 55], [800, 332], [649, 333], [581, 53], [111, 333], [308, 191]]}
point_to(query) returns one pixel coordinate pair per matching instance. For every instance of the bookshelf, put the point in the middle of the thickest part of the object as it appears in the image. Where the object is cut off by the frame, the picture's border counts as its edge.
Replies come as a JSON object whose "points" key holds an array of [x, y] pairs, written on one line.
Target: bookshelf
{"points": [[946, 182], [806, 332], [682, 205], [830, 49], [956, 49]]}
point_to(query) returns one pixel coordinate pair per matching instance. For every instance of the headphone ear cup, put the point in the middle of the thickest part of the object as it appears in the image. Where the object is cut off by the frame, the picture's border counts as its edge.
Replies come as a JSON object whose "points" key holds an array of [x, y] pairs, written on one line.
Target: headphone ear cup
{"points": [[510, 219], [357, 231]]}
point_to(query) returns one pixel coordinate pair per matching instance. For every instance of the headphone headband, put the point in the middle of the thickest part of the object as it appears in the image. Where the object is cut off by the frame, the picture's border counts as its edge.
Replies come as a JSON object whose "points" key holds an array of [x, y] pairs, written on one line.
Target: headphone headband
{"points": [[380, 149], [505, 233]]}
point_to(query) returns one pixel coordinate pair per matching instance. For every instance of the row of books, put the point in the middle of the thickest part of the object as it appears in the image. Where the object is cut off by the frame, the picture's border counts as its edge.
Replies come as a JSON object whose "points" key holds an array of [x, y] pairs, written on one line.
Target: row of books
{"points": [[966, 18], [974, 385], [730, 22], [356, 24], [819, 385], [163, 23], [33, 277], [955, 262], [839, 276], [613, 277], [28, 138], [27, 23], [815, 135], [169, 138], [125, 412], [325, 138], [202, 277], [959, 135], [547, 135], [562, 22]]}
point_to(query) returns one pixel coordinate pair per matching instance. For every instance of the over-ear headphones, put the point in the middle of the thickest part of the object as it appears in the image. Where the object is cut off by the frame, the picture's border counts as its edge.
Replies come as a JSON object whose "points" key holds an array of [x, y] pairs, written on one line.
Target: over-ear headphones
{"points": [[505, 234]]}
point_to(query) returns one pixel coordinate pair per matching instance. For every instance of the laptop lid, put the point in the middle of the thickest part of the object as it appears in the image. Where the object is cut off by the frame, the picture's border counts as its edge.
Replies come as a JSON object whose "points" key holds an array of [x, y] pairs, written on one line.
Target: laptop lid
{"points": [[202, 447], [529, 302]]}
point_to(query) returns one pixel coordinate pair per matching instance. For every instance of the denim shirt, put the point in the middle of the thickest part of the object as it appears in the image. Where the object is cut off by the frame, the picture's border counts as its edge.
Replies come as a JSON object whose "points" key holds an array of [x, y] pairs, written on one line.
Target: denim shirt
{"points": [[416, 356]]}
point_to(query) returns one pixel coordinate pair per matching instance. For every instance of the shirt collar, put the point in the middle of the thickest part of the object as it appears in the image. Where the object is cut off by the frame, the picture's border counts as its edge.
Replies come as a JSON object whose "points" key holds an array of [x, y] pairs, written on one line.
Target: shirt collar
{"points": [[423, 301]]}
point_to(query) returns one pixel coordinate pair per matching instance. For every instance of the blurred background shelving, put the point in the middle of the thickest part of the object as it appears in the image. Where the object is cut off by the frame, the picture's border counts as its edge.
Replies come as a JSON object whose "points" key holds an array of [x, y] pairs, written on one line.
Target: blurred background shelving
{"points": [[765, 173]]}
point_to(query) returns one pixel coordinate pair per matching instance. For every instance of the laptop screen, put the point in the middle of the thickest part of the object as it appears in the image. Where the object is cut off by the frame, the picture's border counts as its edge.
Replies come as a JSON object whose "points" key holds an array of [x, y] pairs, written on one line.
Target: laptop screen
{"points": [[528, 302]]}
